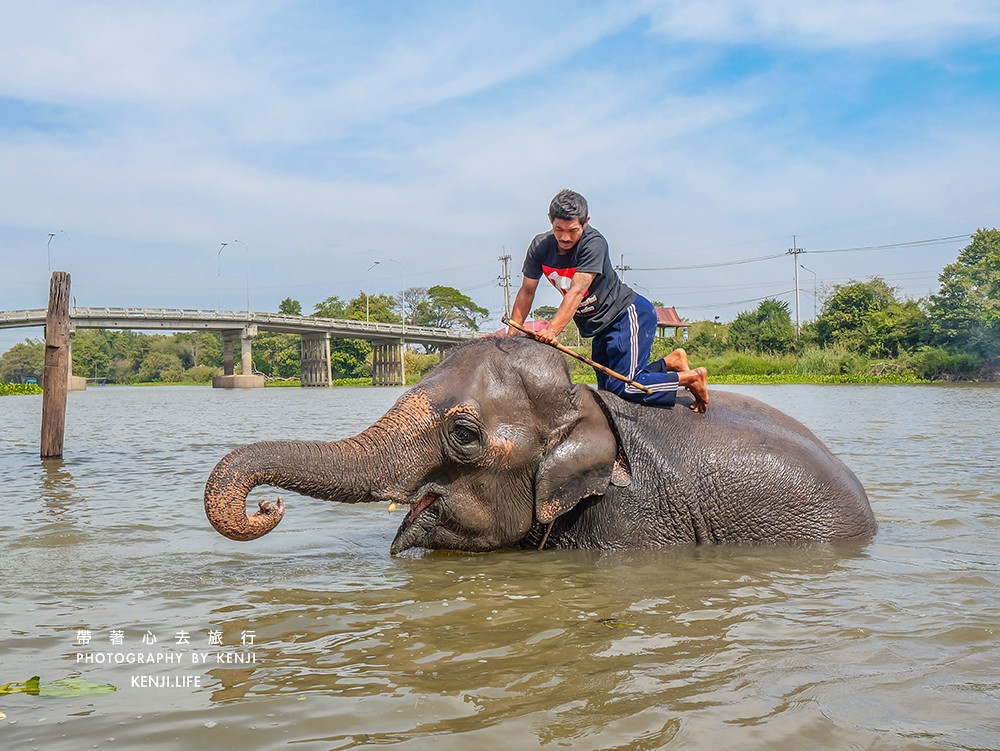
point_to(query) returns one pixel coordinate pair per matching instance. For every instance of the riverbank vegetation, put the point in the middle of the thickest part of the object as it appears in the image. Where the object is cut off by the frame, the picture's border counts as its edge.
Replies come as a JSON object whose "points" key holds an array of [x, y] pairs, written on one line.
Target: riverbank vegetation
{"points": [[11, 389], [864, 334]]}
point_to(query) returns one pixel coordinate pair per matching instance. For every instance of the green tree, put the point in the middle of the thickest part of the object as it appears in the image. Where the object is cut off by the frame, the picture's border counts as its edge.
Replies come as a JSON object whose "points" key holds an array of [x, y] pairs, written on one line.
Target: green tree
{"points": [[277, 354], [374, 307], [451, 308], [331, 307], [160, 365], [347, 356], [210, 350], [442, 307], [768, 329], [91, 353], [22, 361], [123, 345], [867, 318], [290, 307], [381, 308], [547, 312], [965, 313]]}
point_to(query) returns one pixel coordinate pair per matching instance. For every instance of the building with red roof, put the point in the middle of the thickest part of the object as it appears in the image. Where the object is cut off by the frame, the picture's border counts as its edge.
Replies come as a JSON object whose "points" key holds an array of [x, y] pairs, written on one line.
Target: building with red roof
{"points": [[667, 318], [532, 325]]}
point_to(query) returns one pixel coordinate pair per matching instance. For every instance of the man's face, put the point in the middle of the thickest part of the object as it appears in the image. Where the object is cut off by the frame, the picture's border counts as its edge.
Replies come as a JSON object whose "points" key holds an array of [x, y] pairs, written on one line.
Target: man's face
{"points": [[568, 232]]}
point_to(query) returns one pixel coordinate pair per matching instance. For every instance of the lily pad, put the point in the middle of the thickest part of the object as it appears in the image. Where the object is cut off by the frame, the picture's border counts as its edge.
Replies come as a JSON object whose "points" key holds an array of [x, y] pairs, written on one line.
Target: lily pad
{"points": [[615, 622], [62, 687]]}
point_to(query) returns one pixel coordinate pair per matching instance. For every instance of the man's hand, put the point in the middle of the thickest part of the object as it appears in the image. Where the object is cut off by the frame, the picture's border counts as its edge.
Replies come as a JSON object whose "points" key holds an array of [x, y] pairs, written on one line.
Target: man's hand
{"points": [[548, 335]]}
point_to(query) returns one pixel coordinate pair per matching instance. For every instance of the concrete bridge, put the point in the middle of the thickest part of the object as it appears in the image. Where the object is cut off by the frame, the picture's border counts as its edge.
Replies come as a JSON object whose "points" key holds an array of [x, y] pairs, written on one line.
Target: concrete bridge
{"points": [[388, 339]]}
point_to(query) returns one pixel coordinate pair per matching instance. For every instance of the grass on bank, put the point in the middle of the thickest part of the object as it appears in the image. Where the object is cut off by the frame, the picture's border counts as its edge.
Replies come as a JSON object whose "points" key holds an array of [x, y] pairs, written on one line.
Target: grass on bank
{"points": [[815, 365], [812, 365]]}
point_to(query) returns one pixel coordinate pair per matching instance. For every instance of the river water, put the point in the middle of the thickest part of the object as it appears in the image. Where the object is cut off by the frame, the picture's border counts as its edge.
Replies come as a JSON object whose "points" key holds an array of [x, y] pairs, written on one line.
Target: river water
{"points": [[314, 638]]}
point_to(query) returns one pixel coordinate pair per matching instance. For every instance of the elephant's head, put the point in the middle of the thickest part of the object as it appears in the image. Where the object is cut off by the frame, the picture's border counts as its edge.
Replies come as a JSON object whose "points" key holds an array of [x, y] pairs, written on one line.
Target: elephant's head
{"points": [[493, 443]]}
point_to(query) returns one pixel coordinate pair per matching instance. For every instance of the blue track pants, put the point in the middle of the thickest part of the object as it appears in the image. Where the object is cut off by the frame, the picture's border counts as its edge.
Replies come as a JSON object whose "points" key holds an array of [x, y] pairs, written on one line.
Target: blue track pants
{"points": [[625, 347]]}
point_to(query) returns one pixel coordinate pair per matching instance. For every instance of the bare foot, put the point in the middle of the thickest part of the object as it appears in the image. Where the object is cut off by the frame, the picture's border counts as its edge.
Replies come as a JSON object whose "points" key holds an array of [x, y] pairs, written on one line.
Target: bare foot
{"points": [[677, 361], [696, 381]]}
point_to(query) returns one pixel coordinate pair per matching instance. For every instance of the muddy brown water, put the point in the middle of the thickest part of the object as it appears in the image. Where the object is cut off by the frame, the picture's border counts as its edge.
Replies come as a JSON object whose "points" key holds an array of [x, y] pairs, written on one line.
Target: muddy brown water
{"points": [[314, 638]]}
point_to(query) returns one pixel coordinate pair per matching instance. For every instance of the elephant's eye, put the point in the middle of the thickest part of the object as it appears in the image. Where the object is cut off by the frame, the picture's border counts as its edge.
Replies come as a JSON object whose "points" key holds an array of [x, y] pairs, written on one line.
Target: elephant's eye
{"points": [[464, 436], [464, 442]]}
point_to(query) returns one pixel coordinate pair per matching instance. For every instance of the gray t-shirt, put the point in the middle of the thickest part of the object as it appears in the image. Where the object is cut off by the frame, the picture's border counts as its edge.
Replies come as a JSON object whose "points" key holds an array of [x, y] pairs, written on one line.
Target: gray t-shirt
{"points": [[608, 296]]}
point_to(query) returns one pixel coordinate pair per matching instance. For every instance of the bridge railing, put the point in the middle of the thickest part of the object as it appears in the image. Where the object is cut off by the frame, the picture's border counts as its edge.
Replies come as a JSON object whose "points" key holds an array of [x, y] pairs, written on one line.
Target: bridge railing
{"points": [[14, 318]]}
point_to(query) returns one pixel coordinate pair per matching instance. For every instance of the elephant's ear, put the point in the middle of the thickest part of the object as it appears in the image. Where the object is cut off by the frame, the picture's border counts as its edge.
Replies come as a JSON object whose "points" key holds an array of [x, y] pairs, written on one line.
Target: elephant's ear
{"points": [[579, 463]]}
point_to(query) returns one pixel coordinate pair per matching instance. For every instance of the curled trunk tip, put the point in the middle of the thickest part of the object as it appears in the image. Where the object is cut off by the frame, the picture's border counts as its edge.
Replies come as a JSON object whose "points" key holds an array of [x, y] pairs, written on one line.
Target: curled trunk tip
{"points": [[225, 503]]}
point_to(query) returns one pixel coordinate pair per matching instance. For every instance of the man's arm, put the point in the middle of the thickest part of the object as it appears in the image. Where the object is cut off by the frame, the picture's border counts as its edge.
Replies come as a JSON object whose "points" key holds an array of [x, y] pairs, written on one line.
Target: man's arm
{"points": [[570, 302], [522, 302]]}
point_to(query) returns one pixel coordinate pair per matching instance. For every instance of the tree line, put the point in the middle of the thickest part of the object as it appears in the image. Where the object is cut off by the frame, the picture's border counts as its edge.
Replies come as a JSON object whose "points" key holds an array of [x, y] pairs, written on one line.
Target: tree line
{"points": [[128, 357], [864, 330]]}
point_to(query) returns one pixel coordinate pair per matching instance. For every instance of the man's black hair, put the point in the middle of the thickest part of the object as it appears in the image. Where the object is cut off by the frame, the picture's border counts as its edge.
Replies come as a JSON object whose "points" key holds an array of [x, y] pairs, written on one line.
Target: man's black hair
{"points": [[568, 205]]}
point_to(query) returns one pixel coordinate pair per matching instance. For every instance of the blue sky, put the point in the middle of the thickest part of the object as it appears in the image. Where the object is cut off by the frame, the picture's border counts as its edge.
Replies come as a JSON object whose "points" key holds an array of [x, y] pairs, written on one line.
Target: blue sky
{"points": [[431, 136]]}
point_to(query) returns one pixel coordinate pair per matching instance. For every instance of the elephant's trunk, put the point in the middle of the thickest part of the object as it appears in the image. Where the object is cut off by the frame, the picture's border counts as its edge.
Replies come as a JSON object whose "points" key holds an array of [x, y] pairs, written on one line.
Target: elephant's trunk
{"points": [[339, 471]]}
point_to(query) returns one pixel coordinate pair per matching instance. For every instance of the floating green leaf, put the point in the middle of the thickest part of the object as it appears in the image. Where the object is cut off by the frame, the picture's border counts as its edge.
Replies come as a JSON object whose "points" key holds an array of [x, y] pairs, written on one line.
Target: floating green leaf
{"points": [[62, 687], [615, 622]]}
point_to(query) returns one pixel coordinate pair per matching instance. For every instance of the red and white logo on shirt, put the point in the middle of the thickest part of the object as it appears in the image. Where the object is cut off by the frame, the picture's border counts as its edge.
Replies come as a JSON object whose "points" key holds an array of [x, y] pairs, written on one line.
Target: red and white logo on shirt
{"points": [[562, 279]]}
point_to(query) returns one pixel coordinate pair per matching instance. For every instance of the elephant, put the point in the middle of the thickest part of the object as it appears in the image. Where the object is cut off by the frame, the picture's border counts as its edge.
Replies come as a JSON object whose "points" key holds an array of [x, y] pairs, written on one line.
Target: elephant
{"points": [[496, 448]]}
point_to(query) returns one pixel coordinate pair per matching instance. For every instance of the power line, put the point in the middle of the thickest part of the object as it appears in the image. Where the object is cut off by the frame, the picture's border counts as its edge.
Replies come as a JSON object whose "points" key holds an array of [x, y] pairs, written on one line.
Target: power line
{"points": [[702, 289], [910, 244], [709, 265], [738, 302]]}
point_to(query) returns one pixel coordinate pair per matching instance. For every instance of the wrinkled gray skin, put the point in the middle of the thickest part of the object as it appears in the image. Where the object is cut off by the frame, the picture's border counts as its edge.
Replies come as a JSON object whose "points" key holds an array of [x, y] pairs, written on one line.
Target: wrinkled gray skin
{"points": [[496, 445]]}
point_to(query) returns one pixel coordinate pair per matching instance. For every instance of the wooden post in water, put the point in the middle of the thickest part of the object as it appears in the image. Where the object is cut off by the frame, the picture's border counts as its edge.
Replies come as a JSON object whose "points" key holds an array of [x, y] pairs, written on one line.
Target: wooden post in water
{"points": [[55, 380]]}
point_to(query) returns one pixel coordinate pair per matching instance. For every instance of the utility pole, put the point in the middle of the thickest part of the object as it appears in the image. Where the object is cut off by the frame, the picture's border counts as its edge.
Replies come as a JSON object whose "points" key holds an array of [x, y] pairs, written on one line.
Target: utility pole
{"points": [[505, 282], [622, 268], [794, 253]]}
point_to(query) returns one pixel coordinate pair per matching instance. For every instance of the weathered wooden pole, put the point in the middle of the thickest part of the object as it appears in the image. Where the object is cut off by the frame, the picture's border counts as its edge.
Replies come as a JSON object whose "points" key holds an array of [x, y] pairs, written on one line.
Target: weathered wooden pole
{"points": [[55, 380]]}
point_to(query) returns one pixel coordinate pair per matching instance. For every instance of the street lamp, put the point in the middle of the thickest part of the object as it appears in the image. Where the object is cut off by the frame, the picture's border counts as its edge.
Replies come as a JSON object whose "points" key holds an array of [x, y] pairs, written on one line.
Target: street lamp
{"points": [[218, 257], [48, 247], [246, 263], [715, 328], [367, 295], [814, 287], [402, 294]]}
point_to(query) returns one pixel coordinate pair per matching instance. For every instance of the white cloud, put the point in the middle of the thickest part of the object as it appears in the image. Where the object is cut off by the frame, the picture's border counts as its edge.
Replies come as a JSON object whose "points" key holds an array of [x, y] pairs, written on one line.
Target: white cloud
{"points": [[438, 137], [823, 24], [93, 53]]}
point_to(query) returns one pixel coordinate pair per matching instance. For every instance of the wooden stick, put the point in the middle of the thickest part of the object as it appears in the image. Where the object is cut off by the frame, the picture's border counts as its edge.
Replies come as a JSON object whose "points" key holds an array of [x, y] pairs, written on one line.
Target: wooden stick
{"points": [[578, 356]]}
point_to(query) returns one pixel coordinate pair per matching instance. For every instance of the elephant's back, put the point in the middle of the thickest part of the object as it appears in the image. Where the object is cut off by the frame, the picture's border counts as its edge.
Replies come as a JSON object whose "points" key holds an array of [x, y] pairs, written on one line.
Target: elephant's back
{"points": [[729, 414], [754, 472]]}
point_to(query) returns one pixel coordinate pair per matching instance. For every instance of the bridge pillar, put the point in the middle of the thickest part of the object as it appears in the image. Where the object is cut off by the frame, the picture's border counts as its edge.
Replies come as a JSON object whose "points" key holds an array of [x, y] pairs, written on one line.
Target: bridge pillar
{"points": [[388, 366], [316, 369], [75, 383], [229, 379]]}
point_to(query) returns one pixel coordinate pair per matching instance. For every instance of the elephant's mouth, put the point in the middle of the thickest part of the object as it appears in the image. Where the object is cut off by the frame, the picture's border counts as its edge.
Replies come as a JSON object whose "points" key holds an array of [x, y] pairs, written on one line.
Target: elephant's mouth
{"points": [[411, 529], [419, 507]]}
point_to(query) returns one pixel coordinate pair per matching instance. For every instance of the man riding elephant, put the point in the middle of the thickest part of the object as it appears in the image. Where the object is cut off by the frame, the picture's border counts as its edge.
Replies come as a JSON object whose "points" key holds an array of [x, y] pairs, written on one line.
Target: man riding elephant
{"points": [[575, 258]]}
